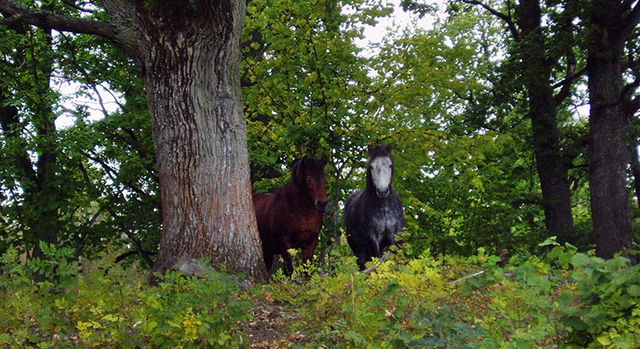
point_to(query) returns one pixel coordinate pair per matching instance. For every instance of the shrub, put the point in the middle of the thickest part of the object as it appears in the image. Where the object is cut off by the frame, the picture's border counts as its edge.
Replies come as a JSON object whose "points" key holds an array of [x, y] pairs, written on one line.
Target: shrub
{"points": [[604, 306], [395, 306], [106, 306]]}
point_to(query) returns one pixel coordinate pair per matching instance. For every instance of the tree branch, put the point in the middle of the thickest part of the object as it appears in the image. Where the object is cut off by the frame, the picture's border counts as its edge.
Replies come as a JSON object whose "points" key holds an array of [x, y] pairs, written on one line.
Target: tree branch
{"points": [[72, 4], [476, 274], [507, 19], [566, 83], [16, 13], [113, 174], [382, 259], [631, 21]]}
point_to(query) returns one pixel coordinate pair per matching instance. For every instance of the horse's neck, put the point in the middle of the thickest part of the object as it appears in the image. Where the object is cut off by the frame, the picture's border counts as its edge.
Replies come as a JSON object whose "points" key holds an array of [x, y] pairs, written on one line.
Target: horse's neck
{"points": [[293, 194]]}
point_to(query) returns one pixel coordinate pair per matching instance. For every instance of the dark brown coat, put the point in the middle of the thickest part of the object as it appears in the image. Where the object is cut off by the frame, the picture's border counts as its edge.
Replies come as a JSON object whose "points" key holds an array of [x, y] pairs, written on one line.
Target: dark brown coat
{"points": [[291, 217]]}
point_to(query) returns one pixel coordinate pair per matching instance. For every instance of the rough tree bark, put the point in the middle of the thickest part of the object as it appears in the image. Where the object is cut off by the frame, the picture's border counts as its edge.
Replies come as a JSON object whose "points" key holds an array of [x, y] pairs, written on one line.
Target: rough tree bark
{"points": [[551, 164], [189, 54], [535, 63], [609, 24]]}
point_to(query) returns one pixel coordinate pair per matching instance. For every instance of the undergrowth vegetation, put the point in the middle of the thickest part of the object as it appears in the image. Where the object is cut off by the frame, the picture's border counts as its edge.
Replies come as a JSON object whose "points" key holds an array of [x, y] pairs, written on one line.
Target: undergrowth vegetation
{"points": [[562, 299]]}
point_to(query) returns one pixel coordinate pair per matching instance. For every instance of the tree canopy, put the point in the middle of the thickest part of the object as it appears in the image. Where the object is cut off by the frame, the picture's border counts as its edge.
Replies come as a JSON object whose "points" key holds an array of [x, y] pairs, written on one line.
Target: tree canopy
{"points": [[454, 101], [514, 126]]}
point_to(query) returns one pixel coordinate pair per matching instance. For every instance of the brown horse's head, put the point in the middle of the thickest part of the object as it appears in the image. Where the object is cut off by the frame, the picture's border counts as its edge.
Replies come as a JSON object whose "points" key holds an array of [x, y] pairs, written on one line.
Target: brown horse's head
{"points": [[308, 175]]}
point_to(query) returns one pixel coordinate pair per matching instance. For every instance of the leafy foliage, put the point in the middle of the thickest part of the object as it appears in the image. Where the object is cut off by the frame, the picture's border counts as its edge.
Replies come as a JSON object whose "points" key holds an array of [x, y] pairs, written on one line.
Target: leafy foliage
{"points": [[564, 299], [448, 99], [98, 304]]}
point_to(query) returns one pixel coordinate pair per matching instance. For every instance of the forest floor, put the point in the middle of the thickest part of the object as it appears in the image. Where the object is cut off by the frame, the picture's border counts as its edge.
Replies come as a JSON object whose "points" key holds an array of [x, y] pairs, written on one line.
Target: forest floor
{"points": [[271, 326]]}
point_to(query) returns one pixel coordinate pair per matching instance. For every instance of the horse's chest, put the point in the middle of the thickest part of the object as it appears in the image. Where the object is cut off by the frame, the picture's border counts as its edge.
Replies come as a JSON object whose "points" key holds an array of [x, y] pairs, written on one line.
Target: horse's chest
{"points": [[310, 223], [303, 231], [386, 220]]}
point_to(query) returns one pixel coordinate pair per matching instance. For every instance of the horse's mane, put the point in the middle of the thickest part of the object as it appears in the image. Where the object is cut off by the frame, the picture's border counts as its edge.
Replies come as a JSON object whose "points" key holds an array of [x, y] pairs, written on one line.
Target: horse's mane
{"points": [[379, 150], [310, 165]]}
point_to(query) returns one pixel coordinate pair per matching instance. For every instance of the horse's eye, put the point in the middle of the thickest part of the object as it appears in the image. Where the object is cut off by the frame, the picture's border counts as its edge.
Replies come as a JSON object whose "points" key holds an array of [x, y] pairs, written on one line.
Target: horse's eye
{"points": [[308, 179]]}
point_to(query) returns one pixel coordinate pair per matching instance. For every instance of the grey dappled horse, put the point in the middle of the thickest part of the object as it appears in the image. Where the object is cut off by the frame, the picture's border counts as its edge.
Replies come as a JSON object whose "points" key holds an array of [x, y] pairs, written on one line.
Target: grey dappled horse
{"points": [[374, 215]]}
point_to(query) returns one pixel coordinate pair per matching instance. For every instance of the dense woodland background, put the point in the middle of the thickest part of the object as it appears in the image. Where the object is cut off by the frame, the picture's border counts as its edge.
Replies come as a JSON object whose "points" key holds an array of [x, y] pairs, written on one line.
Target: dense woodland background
{"points": [[515, 132]]}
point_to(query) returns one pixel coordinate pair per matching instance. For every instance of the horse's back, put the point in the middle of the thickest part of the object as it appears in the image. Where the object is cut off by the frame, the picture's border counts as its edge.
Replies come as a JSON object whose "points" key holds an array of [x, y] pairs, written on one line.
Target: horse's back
{"points": [[351, 201], [352, 215], [263, 203], [262, 199]]}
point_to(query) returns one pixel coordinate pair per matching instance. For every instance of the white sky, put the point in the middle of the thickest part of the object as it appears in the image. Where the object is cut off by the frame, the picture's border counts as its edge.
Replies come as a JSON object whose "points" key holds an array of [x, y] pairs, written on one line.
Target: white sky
{"points": [[70, 101], [396, 23]]}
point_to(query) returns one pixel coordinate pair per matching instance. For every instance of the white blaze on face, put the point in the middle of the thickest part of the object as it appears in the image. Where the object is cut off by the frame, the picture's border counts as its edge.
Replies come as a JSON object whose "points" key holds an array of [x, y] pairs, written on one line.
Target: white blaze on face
{"points": [[381, 173]]}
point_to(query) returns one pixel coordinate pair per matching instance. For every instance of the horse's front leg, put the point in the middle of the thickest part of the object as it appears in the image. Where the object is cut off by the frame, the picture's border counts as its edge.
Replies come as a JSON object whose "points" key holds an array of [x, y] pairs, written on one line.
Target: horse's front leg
{"points": [[308, 248], [268, 259], [389, 239], [288, 264], [288, 261], [374, 244]]}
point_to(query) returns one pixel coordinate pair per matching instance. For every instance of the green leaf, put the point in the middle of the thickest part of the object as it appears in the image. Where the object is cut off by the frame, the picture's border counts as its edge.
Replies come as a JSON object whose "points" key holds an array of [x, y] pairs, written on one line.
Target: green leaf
{"points": [[634, 290], [580, 260]]}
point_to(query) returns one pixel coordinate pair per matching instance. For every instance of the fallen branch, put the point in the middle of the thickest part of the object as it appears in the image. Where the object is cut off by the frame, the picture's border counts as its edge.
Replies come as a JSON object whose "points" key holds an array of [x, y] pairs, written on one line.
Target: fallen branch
{"points": [[382, 259], [476, 274]]}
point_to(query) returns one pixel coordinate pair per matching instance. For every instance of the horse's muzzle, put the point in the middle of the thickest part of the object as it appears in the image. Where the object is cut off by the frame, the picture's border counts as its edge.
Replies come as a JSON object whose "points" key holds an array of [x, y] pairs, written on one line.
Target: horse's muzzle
{"points": [[321, 205], [383, 194]]}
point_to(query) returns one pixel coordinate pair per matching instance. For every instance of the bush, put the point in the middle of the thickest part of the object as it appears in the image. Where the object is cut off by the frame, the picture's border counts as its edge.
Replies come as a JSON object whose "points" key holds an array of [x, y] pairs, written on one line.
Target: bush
{"points": [[563, 299], [106, 306], [566, 299], [395, 306], [603, 307]]}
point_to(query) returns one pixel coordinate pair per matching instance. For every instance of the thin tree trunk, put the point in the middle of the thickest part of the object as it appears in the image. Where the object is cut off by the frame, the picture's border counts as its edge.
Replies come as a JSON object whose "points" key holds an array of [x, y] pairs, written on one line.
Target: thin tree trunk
{"points": [[39, 181], [46, 201]]}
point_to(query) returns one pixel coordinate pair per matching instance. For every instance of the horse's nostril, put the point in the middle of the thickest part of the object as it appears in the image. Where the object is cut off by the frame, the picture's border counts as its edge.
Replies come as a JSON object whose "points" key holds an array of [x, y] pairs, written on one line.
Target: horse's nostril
{"points": [[383, 193]]}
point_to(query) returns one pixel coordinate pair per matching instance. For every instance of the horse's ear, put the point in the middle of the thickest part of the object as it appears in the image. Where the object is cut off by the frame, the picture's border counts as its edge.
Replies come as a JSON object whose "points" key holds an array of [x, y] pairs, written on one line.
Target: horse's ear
{"points": [[323, 160], [370, 148], [388, 148], [297, 175]]}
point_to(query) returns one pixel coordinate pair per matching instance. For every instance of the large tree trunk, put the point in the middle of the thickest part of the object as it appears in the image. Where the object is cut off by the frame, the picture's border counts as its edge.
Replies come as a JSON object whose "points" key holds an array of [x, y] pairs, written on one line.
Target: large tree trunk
{"points": [[608, 26], [552, 170], [608, 156], [189, 53], [551, 166], [191, 67]]}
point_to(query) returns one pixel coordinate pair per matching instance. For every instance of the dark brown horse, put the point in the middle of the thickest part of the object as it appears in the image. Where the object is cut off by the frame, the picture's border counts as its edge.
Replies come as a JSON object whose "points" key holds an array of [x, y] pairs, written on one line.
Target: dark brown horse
{"points": [[291, 217]]}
